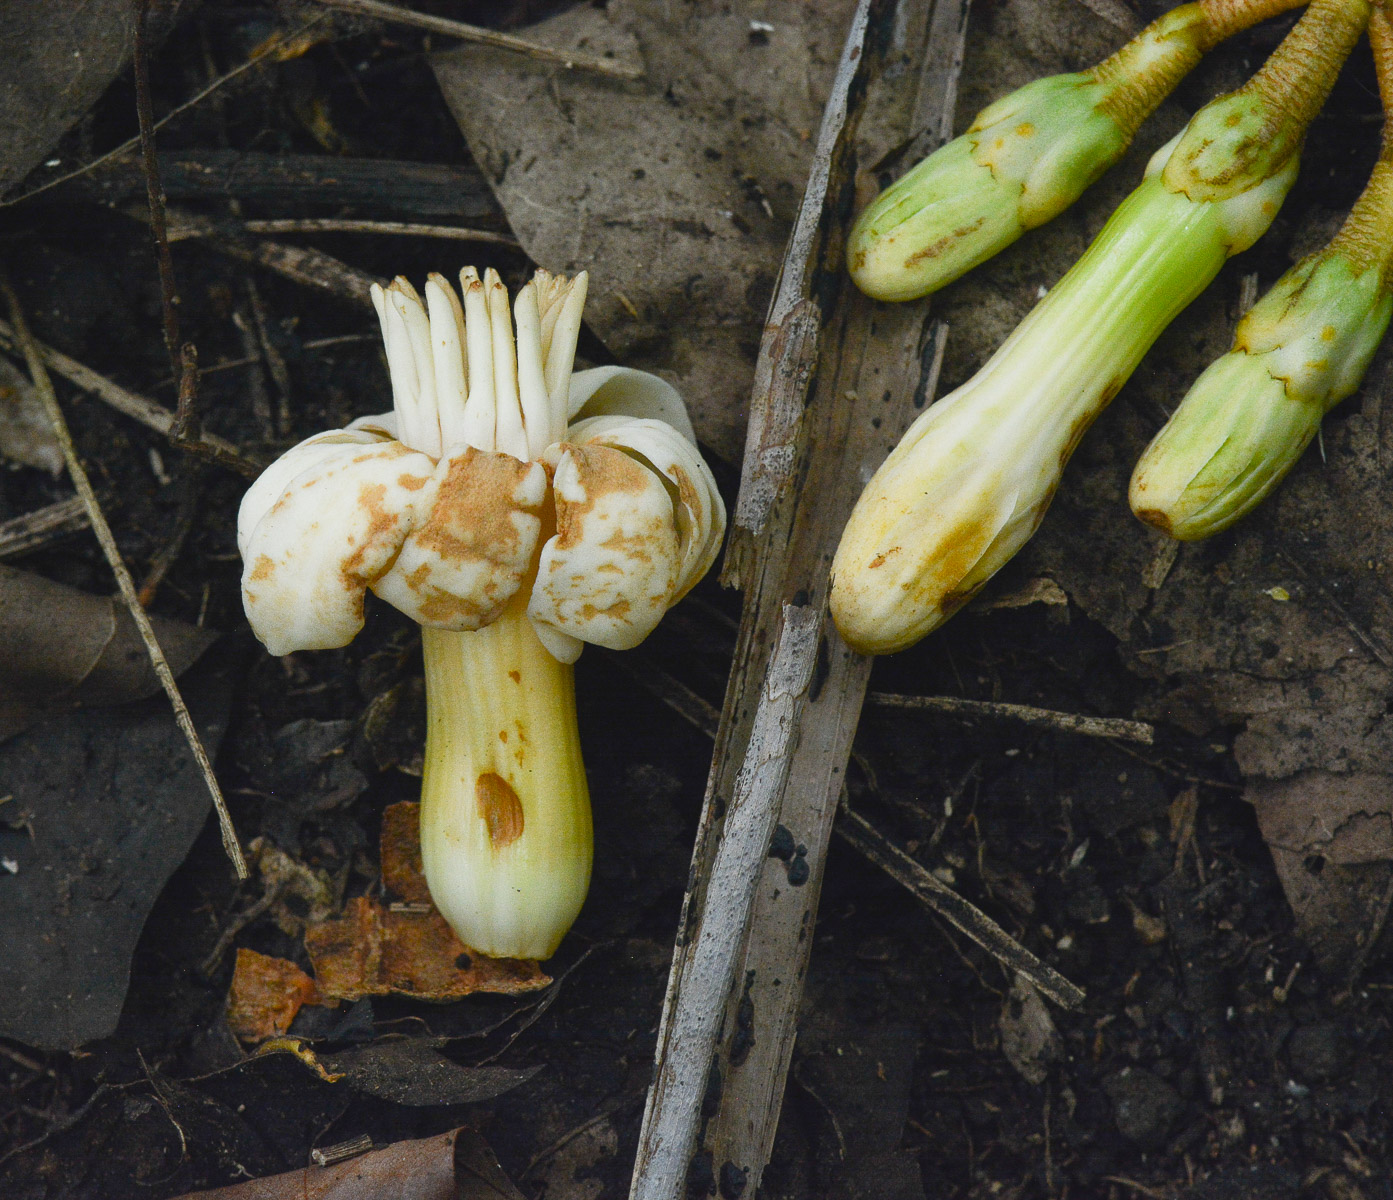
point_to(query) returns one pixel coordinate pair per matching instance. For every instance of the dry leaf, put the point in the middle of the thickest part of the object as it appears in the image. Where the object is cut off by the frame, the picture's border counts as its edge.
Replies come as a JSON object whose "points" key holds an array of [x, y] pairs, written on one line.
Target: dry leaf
{"points": [[26, 434], [371, 951], [402, 873], [675, 193], [60, 646], [265, 996], [451, 1166]]}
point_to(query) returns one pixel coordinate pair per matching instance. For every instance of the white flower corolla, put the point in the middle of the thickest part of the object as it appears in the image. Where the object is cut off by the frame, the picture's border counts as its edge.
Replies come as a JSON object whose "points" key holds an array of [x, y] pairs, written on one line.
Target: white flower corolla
{"points": [[439, 506]]}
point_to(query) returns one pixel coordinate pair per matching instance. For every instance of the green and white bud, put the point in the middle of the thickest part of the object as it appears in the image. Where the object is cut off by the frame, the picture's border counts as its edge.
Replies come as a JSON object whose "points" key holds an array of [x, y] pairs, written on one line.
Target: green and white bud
{"points": [[1029, 156], [1303, 348], [969, 483]]}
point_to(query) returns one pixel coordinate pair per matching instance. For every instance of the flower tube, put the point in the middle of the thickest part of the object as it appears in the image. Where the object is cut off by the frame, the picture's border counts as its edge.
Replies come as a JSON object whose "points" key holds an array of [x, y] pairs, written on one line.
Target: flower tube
{"points": [[971, 479], [515, 510]]}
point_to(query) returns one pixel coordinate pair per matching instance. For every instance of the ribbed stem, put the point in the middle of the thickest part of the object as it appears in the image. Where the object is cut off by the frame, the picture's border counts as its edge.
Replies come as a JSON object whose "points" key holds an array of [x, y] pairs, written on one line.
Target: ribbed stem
{"points": [[505, 811]]}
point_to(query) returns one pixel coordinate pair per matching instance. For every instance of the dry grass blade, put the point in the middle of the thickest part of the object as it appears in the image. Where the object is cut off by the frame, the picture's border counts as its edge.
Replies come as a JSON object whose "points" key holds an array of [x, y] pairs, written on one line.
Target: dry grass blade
{"points": [[264, 53], [452, 233], [44, 386], [123, 400], [487, 37], [1044, 718]]}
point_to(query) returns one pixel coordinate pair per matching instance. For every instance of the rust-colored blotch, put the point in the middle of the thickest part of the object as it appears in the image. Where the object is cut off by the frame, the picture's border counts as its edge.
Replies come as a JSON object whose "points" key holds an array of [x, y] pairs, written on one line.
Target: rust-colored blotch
{"points": [[500, 809]]}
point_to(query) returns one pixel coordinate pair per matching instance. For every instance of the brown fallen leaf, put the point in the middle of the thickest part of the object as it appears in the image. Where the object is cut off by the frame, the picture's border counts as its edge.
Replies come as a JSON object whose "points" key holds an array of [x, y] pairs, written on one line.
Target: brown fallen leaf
{"points": [[372, 951], [265, 996], [676, 193], [26, 436], [458, 1165], [402, 872], [60, 647]]}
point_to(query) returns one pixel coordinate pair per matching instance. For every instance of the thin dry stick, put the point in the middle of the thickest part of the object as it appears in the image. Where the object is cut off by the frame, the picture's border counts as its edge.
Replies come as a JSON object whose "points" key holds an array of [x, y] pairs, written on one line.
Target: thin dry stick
{"points": [[960, 913], [486, 37], [132, 404], [403, 228], [264, 53], [43, 385], [34, 529], [1046, 718]]}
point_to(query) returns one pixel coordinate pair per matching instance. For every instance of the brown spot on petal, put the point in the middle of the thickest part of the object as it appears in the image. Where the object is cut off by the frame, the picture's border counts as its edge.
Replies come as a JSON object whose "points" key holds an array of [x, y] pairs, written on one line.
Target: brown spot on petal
{"points": [[515, 676], [380, 522], [600, 470], [413, 483], [472, 517], [500, 809], [263, 569]]}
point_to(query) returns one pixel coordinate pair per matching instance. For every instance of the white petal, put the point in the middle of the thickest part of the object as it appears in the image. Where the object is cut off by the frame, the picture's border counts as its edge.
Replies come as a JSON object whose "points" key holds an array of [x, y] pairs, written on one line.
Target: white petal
{"points": [[610, 572], [472, 544], [273, 480], [448, 348], [604, 391], [700, 512], [333, 529]]}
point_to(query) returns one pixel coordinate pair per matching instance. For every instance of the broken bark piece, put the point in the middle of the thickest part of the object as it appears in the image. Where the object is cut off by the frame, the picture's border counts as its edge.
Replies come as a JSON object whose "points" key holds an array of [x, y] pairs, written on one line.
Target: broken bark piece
{"points": [[371, 951], [278, 180], [402, 873], [265, 996]]}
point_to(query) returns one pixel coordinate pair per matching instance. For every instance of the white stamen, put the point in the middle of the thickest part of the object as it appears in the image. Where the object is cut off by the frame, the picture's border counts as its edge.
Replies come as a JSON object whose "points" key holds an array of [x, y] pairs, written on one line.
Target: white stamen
{"points": [[509, 436], [413, 314], [402, 366], [480, 411], [537, 418], [561, 354], [451, 368]]}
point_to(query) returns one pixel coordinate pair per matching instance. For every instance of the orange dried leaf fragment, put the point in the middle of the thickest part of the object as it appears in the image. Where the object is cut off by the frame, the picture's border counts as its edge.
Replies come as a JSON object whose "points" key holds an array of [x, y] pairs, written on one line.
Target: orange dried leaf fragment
{"points": [[371, 951], [266, 994]]}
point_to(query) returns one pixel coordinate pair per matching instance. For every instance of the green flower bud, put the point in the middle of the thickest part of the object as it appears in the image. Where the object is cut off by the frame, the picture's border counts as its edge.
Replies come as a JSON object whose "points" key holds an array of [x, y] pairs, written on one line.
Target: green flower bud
{"points": [[970, 481], [1303, 348], [1028, 156]]}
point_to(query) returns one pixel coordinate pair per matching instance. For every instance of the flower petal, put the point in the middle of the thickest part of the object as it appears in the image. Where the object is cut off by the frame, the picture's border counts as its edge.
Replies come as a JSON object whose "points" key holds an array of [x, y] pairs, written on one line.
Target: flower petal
{"points": [[273, 480], [609, 573], [334, 527], [480, 518], [623, 391], [699, 511]]}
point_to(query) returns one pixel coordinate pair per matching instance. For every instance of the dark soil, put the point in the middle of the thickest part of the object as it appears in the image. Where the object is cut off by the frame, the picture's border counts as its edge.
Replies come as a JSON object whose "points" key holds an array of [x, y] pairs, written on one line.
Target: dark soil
{"points": [[1213, 1058]]}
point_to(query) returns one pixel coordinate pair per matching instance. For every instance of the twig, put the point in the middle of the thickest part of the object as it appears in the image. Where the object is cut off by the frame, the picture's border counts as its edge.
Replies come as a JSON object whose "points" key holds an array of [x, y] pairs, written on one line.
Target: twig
{"points": [[609, 1110], [486, 37], [1046, 718], [275, 361], [132, 404], [154, 195], [958, 912], [1371, 938], [21, 534], [451, 233], [264, 52], [169, 552], [60, 1126], [43, 385], [312, 268]]}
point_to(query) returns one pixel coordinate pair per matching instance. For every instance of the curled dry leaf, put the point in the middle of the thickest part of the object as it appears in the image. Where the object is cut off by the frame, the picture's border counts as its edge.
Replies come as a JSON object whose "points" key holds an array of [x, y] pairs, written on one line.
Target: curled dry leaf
{"points": [[60, 646]]}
